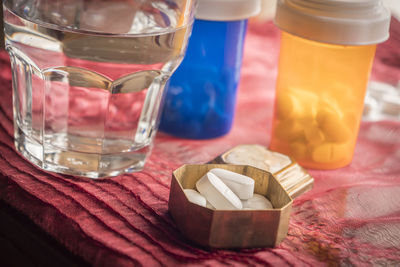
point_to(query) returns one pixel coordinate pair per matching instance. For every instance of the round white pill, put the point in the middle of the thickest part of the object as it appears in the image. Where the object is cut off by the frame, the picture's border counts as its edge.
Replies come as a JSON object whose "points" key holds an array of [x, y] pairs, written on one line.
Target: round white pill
{"points": [[241, 185], [195, 197], [257, 202], [217, 193]]}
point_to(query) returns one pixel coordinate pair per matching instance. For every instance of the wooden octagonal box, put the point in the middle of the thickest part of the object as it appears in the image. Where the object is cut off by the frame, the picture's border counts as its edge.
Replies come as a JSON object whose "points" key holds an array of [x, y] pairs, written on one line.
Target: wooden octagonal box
{"points": [[230, 228]]}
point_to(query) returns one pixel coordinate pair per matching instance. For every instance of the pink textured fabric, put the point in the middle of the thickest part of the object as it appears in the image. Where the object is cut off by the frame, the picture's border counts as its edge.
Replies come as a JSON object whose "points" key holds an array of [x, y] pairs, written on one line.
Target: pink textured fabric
{"points": [[351, 217]]}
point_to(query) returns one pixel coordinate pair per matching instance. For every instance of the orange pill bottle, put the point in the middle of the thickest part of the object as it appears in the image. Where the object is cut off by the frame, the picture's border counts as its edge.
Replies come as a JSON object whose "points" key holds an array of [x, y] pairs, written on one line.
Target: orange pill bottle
{"points": [[326, 54]]}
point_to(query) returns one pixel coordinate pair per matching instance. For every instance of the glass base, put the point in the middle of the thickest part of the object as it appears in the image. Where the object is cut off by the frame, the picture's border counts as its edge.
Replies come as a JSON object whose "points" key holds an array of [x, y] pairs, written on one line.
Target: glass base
{"points": [[73, 162]]}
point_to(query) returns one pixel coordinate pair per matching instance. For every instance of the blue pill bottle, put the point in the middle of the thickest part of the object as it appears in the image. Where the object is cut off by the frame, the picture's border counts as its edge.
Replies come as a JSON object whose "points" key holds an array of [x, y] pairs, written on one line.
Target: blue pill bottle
{"points": [[201, 95]]}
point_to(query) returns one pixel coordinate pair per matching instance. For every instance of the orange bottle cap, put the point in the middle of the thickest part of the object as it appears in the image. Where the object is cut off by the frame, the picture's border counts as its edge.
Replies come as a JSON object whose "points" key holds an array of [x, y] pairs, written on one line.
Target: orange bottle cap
{"points": [[344, 22]]}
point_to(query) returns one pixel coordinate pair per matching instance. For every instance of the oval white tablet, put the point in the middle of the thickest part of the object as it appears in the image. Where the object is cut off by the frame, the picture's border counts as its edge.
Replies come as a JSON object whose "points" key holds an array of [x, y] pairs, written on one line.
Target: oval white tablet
{"points": [[257, 202], [217, 193], [208, 205], [195, 197], [241, 185]]}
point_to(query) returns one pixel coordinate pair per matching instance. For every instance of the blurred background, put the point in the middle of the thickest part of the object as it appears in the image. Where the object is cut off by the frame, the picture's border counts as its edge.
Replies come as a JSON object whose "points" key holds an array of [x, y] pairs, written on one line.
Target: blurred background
{"points": [[269, 9], [383, 96], [1, 28], [267, 13]]}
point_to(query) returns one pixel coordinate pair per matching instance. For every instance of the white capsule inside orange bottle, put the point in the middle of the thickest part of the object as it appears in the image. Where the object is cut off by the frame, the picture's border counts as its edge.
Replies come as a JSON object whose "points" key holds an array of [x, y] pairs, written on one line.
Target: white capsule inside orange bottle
{"points": [[326, 54]]}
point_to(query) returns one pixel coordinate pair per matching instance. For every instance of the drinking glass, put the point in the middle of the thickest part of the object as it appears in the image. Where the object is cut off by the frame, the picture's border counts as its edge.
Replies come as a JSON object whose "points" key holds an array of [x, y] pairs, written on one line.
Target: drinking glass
{"points": [[88, 79]]}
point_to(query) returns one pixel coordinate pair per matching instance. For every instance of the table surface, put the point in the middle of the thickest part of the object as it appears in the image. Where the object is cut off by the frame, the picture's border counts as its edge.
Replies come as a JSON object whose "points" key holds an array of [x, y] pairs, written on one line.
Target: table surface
{"points": [[351, 217]]}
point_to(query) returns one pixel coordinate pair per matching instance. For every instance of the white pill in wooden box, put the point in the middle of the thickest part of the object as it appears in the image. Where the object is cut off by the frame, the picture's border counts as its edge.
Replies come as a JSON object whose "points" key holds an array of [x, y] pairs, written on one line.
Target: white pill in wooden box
{"points": [[195, 197], [217, 193], [241, 185], [257, 202]]}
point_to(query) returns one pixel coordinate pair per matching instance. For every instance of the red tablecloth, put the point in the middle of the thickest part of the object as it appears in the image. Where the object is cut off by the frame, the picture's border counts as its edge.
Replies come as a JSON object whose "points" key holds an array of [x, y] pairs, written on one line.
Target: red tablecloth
{"points": [[352, 216]]}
